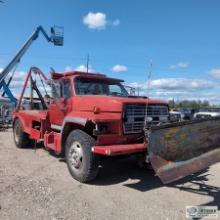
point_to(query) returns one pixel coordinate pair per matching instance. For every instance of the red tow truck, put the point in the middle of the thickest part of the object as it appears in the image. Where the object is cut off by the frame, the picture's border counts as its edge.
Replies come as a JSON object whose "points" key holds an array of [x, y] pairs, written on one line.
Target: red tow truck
{"points": [[87, 116]]}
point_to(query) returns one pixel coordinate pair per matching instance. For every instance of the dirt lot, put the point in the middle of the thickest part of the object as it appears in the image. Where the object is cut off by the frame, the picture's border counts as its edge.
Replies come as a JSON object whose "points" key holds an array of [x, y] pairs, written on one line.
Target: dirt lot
{"points": [[37, 185]]}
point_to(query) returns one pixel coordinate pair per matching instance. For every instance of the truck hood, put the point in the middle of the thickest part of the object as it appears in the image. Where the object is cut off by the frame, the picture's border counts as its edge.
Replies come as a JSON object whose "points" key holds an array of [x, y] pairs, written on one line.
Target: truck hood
{"points": [[109, 103]]}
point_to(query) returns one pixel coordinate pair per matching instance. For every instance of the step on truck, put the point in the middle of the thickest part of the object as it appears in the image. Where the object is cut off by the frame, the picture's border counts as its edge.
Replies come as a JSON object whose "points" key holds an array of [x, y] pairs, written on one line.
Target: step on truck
{"points": [[88, 116]]}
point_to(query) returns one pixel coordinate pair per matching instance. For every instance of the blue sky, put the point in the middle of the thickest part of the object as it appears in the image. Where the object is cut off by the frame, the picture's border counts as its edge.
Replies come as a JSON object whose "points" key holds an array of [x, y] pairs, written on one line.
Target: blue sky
{"points": [[180, 38]]}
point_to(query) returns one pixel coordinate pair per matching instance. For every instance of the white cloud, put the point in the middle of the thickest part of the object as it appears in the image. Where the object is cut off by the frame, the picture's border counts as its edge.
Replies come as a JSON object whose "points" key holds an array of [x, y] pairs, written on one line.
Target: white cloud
{"points": [[18, 79], [181, 83], [119, 68], [20, 75], [181, 64], [95, 20], [179, 89], [171, 93], [212, 97], [98, 21], [81, 68], [171, 84], [215, 73], [68, 68], [17, 82], [116, 22]]}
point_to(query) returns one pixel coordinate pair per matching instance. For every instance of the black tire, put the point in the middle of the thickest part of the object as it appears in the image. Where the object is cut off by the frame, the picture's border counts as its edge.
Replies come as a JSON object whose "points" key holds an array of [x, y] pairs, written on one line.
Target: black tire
{"points": [[83, 165], [21, 138]]}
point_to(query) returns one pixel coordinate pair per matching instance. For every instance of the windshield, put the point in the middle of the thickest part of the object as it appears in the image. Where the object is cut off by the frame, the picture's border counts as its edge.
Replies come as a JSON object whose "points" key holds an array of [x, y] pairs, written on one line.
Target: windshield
{"points": [[89, 86]]}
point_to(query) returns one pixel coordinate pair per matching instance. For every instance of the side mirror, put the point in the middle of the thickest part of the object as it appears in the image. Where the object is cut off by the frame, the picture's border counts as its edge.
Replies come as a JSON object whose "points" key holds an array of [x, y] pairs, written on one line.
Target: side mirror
{"points": [[56, 90]]}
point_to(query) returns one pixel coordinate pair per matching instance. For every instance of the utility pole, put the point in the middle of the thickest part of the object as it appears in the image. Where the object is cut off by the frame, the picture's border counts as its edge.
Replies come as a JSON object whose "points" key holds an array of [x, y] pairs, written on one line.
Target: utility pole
{"points": [[173, 103], [87, 63], [149, 78], [148, 94]]}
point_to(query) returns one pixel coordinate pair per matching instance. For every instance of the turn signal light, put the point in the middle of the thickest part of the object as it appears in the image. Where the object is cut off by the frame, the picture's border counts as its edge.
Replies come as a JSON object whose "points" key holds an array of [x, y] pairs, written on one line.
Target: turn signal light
{"points": [[96, 110]]}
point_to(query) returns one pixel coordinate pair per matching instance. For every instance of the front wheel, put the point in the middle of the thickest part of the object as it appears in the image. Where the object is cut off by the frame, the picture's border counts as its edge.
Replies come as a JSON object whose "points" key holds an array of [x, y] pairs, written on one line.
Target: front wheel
{"points": [[83, 165]]}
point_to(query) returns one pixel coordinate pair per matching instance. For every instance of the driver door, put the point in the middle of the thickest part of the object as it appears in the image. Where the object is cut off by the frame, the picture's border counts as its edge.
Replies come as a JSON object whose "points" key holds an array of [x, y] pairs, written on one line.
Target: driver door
{"points": [[61, 103]]}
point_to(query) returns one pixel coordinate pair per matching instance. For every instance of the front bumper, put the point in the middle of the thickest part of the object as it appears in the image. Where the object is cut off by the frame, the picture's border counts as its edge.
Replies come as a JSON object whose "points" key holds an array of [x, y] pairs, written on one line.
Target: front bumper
{"points": [[122, 149]]}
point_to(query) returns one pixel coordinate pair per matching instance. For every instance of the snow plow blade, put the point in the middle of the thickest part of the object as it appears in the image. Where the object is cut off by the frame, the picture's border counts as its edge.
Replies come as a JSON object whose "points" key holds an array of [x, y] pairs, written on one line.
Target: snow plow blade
{"points": [[179, 149]]}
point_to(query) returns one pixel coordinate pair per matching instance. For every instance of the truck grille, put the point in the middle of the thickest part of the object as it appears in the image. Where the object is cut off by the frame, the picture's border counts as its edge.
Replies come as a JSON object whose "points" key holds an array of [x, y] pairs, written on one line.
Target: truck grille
{"points": [[134, 116]]}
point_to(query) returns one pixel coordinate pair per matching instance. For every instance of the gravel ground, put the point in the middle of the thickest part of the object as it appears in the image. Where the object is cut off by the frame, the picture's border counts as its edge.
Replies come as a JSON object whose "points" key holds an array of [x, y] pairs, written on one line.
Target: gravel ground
{"points": [[37, 185]]}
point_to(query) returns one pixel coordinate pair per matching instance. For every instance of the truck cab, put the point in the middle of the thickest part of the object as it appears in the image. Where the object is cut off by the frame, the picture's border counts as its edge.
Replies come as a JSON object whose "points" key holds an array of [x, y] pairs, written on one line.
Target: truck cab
{"points": [[88, 116]]}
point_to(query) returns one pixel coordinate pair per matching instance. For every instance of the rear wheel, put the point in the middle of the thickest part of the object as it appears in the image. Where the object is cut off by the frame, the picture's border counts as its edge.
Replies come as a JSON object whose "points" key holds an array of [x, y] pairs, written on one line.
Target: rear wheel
{"points": [[20, 137], [83, 165]]}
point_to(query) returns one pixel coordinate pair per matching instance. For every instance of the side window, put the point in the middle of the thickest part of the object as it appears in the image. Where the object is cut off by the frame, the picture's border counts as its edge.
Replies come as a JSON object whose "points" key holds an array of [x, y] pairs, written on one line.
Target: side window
{"points": [[114, 89], [57, 89], [66, 89]]}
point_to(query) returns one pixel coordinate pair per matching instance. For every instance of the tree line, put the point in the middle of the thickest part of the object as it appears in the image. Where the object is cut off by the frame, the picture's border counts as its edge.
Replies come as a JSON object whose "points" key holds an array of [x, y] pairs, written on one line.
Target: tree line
{"points": [[192, 104]]}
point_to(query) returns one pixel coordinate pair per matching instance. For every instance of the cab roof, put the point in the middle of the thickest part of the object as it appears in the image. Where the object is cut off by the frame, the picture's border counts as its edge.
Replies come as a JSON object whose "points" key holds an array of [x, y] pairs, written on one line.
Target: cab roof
{"points": [[56, 76]]}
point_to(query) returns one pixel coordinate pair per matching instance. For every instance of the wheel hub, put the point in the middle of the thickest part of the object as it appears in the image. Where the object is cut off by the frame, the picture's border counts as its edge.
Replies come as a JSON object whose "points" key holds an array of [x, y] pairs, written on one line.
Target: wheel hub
{"points": [[75, 155]]}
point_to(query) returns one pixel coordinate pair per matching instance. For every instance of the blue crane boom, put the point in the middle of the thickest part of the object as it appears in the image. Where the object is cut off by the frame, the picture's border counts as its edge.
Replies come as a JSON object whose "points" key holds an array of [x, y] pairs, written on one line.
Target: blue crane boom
{"points": [[56, 38]]}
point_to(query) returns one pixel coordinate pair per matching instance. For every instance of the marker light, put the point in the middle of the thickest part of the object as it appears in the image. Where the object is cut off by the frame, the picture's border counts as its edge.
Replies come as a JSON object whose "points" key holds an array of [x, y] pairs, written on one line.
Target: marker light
{"points": [[96, 110]]}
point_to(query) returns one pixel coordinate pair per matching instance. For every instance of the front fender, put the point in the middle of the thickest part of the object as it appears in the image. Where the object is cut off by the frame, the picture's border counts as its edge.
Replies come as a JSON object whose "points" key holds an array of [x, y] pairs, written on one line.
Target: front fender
{"points": [[70, 123]]}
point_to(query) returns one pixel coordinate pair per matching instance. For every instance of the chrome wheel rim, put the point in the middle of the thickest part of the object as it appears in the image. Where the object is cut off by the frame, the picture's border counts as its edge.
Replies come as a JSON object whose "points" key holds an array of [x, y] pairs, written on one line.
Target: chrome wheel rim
{"points": [[75, 155]]}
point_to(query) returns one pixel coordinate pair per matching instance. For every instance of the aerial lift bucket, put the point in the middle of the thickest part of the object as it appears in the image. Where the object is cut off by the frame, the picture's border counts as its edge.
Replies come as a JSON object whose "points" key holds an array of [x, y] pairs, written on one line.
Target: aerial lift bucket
{"points": [[179, 149], [57, 35]]}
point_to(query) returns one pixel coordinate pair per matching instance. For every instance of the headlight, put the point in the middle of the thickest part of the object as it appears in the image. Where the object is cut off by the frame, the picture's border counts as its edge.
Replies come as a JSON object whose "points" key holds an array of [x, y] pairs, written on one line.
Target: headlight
{"points": [[101, 129]]}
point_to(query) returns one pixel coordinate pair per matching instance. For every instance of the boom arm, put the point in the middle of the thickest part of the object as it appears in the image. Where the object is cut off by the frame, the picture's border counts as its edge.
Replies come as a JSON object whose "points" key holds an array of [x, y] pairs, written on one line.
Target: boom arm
{"points": [[56, 39]]}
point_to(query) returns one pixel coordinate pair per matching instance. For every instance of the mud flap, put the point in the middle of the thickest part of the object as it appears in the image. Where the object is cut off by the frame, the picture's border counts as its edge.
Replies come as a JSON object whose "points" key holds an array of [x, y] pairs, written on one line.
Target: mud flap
{"points": [[179, 149]]}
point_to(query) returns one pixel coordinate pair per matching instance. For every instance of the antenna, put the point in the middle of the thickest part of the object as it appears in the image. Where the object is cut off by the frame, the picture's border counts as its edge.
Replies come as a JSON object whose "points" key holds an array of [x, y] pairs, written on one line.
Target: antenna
{"points": [[87, 63], [148, 93], [149, 78]]}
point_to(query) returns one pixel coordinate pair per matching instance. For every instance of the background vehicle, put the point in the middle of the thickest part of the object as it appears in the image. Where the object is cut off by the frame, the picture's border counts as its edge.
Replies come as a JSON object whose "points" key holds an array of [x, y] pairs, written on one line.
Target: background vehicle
{"points": [[175, 116], [6, 108], [186, 113], [207, 113], [181, 114]]}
